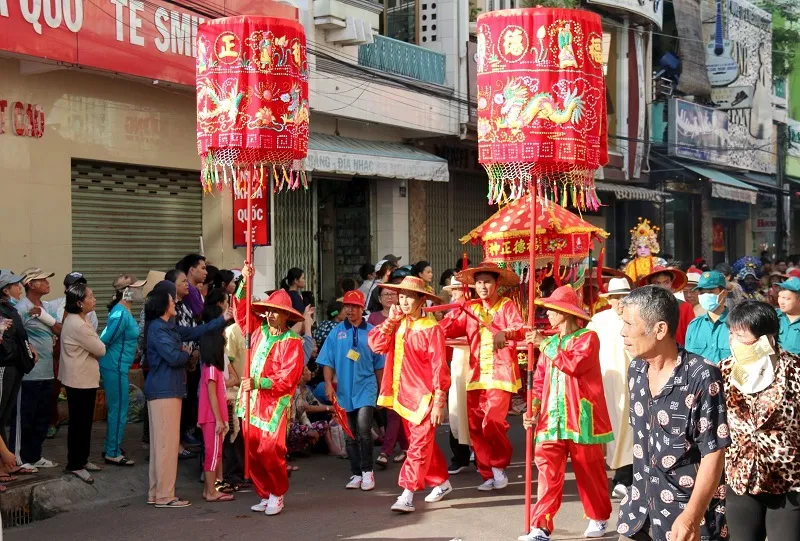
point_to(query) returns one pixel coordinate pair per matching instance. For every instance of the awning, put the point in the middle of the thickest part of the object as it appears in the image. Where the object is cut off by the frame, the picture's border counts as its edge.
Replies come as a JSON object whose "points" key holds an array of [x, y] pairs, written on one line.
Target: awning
{"points": [[623, 191], [348, 156], [724, 186]]}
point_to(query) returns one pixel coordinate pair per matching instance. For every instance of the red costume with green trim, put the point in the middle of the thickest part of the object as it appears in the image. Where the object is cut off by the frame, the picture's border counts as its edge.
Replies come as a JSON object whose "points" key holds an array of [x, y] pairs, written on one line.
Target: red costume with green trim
{"points": [[494, 376], [574, 422], [276, 369], [415, 377]]}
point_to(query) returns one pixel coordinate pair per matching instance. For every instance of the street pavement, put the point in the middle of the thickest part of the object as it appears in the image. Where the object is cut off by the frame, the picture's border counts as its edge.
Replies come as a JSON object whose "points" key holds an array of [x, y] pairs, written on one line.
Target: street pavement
{"points": [[319, 508]]}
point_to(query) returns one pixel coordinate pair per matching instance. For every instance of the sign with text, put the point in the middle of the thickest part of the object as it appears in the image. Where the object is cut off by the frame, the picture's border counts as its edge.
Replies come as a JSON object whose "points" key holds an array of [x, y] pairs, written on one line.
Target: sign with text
{"points": [[26, 119], [152, 39], [260, 218]]}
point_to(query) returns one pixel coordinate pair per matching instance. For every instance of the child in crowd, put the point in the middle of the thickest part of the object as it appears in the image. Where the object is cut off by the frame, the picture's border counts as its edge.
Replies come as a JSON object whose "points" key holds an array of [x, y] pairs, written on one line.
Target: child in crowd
{"points": [[213, 409]]}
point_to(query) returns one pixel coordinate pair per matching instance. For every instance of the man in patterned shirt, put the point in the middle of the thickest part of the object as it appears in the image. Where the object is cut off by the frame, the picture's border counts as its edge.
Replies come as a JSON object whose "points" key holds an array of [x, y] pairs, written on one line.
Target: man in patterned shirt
{"points": [[680, 429]]}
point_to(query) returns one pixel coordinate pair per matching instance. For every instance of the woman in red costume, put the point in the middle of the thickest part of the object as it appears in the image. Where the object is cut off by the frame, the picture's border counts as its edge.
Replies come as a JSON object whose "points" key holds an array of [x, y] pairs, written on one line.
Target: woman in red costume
{"points": [[573, 421], [275, 371], [415, 384]]}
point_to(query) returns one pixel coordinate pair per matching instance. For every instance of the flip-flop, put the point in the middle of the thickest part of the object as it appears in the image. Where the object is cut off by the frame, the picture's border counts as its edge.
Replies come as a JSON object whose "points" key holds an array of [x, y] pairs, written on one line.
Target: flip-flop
{"points": [[399, 458], [289, 467], [20, 470], [221, 498], [84, 476], [173, 504], [225, 488]]}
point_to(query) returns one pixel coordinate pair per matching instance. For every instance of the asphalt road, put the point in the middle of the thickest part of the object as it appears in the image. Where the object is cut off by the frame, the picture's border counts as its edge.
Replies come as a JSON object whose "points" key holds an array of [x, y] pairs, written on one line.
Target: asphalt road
{"points": [[319, 508]]}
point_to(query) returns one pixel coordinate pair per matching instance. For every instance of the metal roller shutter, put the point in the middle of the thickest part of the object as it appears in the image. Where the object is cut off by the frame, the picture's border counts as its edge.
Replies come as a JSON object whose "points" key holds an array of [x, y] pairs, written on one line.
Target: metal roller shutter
{"points": [[295, 234], [131, 219], [453, 210]]}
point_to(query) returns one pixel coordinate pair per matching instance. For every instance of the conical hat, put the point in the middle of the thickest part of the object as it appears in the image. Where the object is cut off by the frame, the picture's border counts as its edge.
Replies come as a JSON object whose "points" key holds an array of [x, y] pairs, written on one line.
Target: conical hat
{"points": [[564, 300], [412, 284], [505, 277], [279, 301]]}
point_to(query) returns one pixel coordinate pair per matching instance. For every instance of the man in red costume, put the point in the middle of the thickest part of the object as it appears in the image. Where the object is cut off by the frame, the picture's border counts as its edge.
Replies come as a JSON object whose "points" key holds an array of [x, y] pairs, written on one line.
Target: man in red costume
{"points": [[673, 280], [494, 372], [415, 383], [275, 371], [573, 420]]}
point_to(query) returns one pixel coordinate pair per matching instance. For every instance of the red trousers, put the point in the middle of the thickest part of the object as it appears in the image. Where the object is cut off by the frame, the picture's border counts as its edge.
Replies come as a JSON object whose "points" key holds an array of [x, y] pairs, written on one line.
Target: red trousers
{"points": [[425, 463], [487, 410], [588, 463], [267, 453]]}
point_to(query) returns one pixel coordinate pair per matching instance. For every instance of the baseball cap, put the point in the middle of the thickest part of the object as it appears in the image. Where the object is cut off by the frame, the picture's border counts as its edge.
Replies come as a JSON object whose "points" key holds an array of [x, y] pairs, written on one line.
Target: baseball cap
{"points": [[35, 273], [379, 264], [8, 278], [693, 277], [792, 284], [391, 258], [711, 280], [74, 278], [124, 281], [794, 273], [354, 297]]}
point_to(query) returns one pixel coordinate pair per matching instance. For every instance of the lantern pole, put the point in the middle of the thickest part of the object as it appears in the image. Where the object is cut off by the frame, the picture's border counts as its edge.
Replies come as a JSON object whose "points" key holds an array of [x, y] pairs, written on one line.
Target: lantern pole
{"points": [[248, 310], [531, 365]]}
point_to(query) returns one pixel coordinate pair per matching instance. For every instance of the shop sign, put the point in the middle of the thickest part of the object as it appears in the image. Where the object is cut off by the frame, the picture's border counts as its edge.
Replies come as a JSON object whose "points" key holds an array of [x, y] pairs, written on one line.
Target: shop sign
{"points": [[766, 214], [23, 119], [793, 153], [652, 10], [260, 218], [151, 39], [733, 97], [472, 81]]}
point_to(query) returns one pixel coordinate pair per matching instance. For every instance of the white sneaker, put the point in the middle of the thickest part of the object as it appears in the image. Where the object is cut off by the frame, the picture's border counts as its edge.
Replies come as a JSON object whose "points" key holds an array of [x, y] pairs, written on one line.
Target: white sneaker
{"points": [[620, 491], [44, 463], [274, 505], [487, 485], [355, 482], [439, 492], [402, 505], [367, 480], [260, 507], [597, 528], [500, 479], [537, 534]]}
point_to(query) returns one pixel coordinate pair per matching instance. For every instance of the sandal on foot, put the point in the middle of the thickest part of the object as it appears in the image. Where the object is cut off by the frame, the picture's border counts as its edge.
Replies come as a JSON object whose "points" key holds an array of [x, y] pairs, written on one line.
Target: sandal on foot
{"points": [[4, 478], [225, 488], [83, 475], [173, 504], [121, 460], [90, 466], [25, 469], [399, 458], [221, 498], [382, 460]]}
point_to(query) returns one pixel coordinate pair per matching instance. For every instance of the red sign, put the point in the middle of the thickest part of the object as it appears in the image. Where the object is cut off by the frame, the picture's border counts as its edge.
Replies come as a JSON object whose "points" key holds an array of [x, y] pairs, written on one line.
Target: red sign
{"points": [[27, 119], [149, 39], [261, 218]]}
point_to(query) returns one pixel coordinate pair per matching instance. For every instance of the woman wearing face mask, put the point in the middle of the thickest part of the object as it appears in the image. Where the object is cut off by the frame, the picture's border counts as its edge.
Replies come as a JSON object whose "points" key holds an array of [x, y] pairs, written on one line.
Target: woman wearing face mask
{"points": [[762, 392], [120, 337]]}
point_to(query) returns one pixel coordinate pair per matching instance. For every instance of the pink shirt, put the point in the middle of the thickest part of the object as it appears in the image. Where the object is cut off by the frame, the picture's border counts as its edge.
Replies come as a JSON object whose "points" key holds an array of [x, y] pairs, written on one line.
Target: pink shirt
{"points": [[376, 318], [205, 414]]}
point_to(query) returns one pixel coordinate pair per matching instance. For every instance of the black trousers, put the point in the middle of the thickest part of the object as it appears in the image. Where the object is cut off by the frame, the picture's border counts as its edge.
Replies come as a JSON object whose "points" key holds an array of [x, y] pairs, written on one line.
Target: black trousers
{"points": [[623, 476], [460, 451], [757, 517], [233, 453], [81, 416], [10, 382], [30, 420], [360, 450]]}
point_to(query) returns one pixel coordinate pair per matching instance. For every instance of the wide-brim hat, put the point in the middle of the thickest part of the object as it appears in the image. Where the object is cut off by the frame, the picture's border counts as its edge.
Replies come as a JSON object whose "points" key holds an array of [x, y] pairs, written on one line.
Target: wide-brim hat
{"points": [[679, 279], [505, 277], [564, 300], [279, 301], [412, 284], [125, 281], [455, 285], [618, 286], [153, 277]]}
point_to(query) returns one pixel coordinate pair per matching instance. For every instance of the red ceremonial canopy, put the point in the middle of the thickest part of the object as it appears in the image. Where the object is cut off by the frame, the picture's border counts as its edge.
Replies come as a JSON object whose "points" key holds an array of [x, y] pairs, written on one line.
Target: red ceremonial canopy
{"points": [[252, 99], [541, 103]]}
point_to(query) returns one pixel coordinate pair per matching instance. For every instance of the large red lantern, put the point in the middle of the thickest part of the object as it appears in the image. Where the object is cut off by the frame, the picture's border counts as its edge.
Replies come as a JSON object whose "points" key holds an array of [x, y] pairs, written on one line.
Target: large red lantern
{"points": [[541, 103], [252, 100]]}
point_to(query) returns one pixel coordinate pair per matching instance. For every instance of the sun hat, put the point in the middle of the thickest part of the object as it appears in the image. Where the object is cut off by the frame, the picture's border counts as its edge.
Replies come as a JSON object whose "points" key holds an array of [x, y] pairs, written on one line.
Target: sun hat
{"points": [[617, 286], [564, 300], [125, 281], [153, 277], [679, 279], [412, 284], [8, 278], [505, 277], [711, 280], [355, 298], [455, 285], [35, 273], [279, 301]]}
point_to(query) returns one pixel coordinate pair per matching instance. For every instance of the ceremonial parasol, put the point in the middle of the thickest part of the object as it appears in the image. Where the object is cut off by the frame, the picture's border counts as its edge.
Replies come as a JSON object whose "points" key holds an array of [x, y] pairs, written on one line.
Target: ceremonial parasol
{"points": [[541, 120], [252, 116]]}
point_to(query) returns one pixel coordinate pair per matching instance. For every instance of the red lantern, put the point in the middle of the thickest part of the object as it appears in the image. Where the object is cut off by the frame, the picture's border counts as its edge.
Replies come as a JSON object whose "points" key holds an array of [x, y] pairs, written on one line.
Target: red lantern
{"points": [[252, 99], [541, 103]]}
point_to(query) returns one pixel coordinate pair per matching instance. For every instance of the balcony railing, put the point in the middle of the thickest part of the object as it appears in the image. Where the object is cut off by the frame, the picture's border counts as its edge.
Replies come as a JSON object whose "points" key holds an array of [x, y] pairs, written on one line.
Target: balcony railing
{"points": [[401, 58]]}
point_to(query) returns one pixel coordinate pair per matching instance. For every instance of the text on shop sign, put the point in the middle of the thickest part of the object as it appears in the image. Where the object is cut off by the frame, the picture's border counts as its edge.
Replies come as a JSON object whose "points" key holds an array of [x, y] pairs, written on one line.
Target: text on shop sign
{"points": [[26, 119], [260, 218]]}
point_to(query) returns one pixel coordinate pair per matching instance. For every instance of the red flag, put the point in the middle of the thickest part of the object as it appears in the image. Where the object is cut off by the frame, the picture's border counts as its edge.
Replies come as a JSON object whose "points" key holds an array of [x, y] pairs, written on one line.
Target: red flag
{"points": [[341, 417]]}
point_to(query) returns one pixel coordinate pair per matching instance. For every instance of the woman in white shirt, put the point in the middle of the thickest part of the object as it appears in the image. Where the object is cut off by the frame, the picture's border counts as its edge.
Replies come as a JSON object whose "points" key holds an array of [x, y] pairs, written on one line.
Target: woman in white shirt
{"points": [[80, 373]]}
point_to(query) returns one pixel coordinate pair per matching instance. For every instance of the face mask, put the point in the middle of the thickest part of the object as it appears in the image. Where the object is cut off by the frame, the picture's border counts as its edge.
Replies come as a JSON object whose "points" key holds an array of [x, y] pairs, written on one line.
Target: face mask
{"points": [[12, 301], [709, 301], [132, 294], [752, 369]]}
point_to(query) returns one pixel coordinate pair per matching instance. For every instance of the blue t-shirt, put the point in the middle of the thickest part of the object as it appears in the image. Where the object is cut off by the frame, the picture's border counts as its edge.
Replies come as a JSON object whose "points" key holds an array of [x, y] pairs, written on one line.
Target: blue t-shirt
{"points": [[41, 338], [357, 384], [789, 336], [709, 338]]}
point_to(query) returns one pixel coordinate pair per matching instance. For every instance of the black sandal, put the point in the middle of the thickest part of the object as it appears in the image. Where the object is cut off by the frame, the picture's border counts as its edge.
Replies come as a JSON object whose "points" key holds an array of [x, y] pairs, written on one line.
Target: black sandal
{"points": [[123, 461]]}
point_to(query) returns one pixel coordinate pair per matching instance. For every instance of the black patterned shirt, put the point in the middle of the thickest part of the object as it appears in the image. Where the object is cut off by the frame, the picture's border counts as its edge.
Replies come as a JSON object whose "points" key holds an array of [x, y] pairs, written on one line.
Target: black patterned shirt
{"points": [[672, 431]]}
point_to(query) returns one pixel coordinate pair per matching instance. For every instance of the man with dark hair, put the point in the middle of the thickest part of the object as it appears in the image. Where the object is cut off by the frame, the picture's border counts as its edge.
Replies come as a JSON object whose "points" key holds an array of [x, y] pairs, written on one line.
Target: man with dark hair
{"points": [[367, 273], [680, 428], [735, 292], [194, 267]]}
